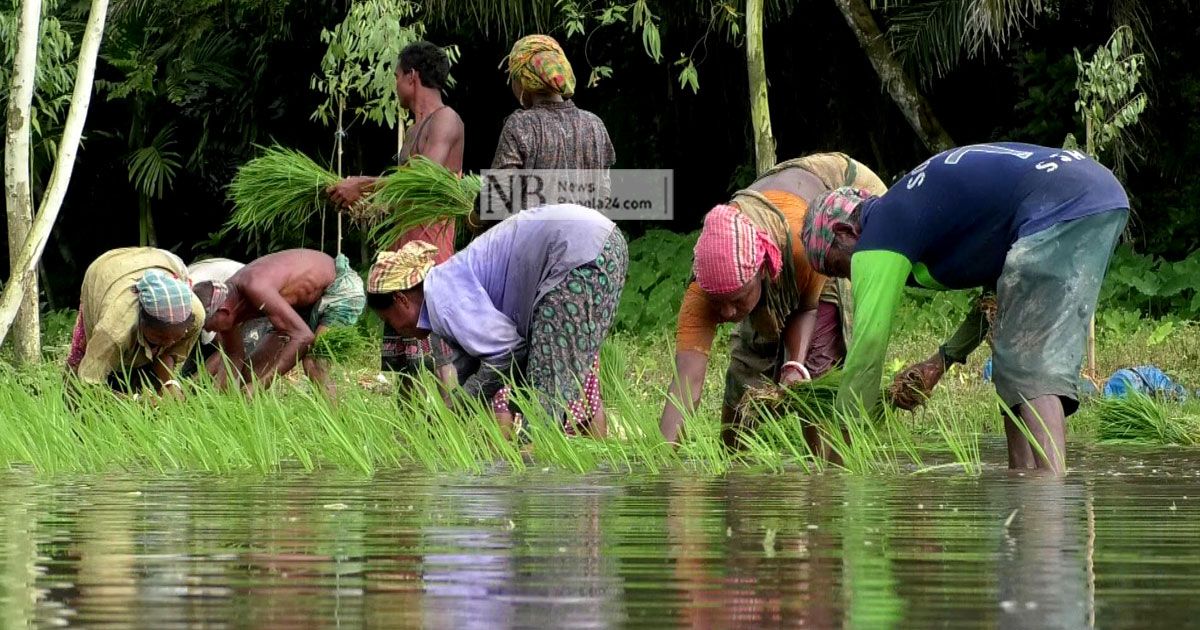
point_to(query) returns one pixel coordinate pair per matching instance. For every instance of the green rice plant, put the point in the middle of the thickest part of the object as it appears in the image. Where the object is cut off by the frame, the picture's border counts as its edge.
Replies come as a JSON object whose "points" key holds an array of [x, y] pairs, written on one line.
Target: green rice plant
{"points": [[418, 193], [1140, 419], [340, 344], [293, 426], [277, 192], [960, 438]]}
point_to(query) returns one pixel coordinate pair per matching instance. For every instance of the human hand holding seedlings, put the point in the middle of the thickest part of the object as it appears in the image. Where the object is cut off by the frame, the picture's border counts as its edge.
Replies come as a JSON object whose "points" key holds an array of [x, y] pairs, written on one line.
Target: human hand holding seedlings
{"points": [[914, 384], [349, 191], [793, 372]]}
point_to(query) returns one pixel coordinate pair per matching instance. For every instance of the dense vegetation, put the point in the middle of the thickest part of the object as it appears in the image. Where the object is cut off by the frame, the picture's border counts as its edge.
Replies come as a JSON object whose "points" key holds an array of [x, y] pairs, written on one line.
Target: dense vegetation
{"points": [[188, 90]]}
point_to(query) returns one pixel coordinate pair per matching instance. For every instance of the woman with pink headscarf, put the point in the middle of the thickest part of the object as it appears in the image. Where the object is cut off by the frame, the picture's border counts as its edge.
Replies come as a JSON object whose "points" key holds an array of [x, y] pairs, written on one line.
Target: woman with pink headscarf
{"points": [[750, 267]]}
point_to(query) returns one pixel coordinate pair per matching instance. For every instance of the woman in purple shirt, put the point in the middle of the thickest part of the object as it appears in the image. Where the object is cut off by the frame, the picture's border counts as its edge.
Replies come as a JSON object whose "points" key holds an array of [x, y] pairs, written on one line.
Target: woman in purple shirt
{"points": [[534, 297]]}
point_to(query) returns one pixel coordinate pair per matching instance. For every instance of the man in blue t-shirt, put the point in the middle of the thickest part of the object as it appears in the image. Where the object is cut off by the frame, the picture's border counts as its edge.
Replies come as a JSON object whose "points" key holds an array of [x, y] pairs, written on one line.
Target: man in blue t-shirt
{"points": [[1035, 224]]}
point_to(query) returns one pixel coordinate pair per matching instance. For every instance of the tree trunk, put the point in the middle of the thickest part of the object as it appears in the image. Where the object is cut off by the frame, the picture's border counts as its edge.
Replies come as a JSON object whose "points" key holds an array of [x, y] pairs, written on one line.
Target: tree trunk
{"points": [[18, 193], [760, 107], [901, 87], [146, 234], [56, 189]]}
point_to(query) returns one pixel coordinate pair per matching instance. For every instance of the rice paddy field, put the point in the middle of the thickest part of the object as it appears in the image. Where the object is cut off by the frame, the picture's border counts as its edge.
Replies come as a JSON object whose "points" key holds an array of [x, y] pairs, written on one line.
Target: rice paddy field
{"points": [[285, 510]]}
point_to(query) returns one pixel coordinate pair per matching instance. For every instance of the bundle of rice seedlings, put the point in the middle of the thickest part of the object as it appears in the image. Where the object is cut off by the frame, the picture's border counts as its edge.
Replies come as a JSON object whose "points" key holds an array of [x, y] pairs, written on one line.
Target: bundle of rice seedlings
{"points": [[1141, 419], [811, 400], [417, 193], [339, 344], [278, 191]]}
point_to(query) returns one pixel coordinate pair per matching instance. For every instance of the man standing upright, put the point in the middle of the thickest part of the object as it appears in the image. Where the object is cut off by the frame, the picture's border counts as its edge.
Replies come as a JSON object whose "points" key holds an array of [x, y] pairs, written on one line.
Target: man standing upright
{"points": [[437, 134]]}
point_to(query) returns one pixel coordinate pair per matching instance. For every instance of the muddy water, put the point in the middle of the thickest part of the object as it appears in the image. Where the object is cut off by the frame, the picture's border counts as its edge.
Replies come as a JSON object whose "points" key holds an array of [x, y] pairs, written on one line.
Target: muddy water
{"points": [[1116, 544]]}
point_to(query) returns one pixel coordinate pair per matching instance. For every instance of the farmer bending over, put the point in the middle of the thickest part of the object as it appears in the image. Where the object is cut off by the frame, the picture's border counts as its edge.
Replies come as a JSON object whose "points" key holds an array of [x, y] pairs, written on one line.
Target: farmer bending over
{"points": [[750, 267], [1034, 223], [302, 292], [138, 320], [533, 296]]}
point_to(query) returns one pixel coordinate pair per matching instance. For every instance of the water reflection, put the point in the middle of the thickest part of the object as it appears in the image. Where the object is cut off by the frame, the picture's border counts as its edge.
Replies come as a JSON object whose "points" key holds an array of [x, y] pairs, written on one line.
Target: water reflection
{"points": [[1113, 545]]}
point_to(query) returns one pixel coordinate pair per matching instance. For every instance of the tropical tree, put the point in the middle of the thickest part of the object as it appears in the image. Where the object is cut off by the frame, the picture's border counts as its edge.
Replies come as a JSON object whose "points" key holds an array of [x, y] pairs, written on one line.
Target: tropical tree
{"points": [[36, 47], [358, 70], [21, 271], [903, 90], [1109, 103]]}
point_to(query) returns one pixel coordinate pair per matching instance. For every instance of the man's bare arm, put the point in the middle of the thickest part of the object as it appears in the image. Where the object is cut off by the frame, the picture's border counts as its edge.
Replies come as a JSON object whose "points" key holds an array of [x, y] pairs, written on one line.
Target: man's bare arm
{"points": [[348, 191], [287, 323]]}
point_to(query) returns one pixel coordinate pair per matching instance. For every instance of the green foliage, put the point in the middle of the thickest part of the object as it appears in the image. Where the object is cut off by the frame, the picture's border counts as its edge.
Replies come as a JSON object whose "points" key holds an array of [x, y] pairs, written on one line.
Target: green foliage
{"points": [[660, 266], [1108, 99], [939, 311], [278, 192], [360, 62], [418, 193], [1152, 286], [152, 168], [1046, 87], [933, 36], [689, 76], [54, 77], [586, 21]]}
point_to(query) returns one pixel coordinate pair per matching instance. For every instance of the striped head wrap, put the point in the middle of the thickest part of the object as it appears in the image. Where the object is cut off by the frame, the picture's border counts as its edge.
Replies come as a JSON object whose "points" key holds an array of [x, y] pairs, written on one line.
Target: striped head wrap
{"points": [[164, 296], [826, 211], [401, 270], [539, 64], [731, 250], [220, 291]]}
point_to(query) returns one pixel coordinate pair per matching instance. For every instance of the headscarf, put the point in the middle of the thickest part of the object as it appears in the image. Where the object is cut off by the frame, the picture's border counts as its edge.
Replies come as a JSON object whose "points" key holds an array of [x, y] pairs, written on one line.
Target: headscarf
{"points": [[539, 64], [826, 211], [220, 291], [164, 297], [344, 298], [731, 250], [401, 270]]}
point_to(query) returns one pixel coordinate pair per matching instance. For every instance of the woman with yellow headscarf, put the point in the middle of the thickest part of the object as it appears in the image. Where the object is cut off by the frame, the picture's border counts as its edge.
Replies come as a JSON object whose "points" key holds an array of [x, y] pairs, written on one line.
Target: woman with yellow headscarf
{"points": [[550, 132]]}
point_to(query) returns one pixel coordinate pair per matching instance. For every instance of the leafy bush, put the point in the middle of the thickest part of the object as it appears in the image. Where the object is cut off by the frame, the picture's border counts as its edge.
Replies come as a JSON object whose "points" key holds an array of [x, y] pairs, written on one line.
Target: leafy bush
{"points": [[1152, 286], [660, 266]]}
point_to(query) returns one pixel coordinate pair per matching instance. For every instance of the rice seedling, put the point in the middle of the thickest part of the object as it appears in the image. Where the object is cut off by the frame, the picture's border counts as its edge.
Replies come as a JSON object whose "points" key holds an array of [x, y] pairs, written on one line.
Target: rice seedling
{"points": [[339, 344], [277, 192], [1140, 419], [418, 193], [293, 426]]}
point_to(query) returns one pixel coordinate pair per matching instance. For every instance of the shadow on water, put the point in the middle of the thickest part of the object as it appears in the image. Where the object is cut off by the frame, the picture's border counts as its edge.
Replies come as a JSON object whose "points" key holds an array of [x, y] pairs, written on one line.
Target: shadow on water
{"points": [[1115, 544]]}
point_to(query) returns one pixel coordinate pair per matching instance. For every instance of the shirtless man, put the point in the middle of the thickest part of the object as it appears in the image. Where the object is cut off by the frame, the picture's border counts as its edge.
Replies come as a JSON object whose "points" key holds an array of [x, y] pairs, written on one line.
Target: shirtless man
{"points": [[301, 292], [437, 134]]}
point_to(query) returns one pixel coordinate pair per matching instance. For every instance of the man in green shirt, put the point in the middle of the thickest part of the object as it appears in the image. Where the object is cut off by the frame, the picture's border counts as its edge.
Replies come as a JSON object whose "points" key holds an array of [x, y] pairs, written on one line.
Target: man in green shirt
{"points": [[1036, 224]]}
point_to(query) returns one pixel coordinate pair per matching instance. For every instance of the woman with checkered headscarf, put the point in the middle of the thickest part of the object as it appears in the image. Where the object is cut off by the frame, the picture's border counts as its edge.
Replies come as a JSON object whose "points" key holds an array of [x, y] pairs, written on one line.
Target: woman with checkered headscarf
{"points": [[138, 320], [529, 302]]}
